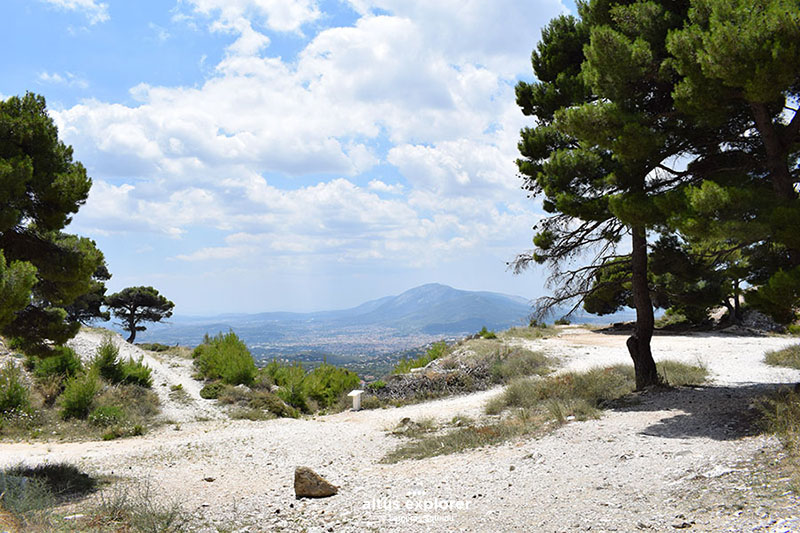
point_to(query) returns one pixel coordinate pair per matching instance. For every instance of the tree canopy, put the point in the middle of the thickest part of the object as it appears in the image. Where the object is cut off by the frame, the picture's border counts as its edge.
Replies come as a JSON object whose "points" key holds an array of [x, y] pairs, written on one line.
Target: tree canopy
{"points": [[43, 270], [135, 305], [674, 118], [606, 130]]}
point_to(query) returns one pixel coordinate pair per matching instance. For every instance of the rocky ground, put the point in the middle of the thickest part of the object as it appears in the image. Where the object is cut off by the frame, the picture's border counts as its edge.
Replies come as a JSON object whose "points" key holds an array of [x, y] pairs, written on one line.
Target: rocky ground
{"points": [[683, 459]]}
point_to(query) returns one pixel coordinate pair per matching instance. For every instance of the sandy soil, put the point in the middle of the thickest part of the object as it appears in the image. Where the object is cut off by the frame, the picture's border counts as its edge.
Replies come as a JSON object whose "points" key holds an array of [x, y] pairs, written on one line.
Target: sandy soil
{"points": [[683, 459]]}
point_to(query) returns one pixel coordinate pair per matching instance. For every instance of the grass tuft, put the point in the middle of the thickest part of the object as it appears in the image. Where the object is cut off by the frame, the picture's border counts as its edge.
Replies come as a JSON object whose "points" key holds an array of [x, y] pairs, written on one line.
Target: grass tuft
{"points": [[781, 416], [530, 405], [788, 357]]}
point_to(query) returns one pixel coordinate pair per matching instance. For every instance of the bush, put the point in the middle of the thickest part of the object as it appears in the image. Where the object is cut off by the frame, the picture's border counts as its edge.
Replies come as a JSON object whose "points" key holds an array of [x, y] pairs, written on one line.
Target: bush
{"points": [[136, 373], [105, 362], [78, 395], [486, 334], [436, 351], [211, 391], [327, 383], [114, 371], [14, 395], [225, 357], [290, 380], [376, 385], [270, 402], [63, 362], [106, 415], [563, 321]]}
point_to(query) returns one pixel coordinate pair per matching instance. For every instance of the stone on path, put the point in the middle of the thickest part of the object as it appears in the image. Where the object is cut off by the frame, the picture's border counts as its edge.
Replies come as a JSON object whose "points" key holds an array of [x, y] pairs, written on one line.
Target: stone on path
{"points": [[309, 484]]}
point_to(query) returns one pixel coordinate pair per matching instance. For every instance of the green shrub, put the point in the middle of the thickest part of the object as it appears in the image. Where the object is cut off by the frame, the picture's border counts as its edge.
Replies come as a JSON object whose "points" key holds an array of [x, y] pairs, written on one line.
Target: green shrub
{"points": [[78, 395], [63, 362], [105, 362], [563, 321], [793, 329], [290, 380], [294, 394], [486, 334], [106, 415], [436, 351], [225, 357], [326, 383], [115, 371], [376, 385], [270, 402], [211, 391], [136, 373], [14, 395]]}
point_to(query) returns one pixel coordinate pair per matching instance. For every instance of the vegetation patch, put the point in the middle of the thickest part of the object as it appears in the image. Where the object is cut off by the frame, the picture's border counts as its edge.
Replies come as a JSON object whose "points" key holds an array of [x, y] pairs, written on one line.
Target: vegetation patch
{"points": [[324, 387], [14, 394], [110, 368], [781, 416], [517, 362], [436, 351], [788, 357], [487, 334], [29, 493], [531, 405], [225, 358], [460, 436], [533, 332], [67, 401]]}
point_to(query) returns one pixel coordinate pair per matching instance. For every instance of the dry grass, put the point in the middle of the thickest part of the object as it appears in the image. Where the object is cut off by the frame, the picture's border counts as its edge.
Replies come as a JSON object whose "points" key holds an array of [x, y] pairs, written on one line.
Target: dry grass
{"points": [[781, 416], [537, 332], [533, 405], [788, 357]]}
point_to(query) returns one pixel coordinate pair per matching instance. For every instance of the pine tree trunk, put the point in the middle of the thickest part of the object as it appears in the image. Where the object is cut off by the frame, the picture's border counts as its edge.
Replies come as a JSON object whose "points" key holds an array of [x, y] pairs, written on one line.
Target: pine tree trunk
{"points": [[132, 329], [639, 342]]}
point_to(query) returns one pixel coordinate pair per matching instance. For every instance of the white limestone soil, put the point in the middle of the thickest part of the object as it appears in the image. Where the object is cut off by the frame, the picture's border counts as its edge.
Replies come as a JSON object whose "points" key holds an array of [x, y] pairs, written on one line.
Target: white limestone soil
{"points": [[687, 458]]}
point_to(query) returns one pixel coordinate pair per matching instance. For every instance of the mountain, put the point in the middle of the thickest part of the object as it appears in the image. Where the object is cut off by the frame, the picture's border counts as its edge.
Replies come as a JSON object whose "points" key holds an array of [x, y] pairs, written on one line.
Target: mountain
{"points": [[386, 325]]}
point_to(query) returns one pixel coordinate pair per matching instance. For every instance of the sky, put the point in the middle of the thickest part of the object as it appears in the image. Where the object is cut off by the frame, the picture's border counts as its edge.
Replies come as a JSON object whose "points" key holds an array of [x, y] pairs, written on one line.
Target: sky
{"points": [[294, 155]]}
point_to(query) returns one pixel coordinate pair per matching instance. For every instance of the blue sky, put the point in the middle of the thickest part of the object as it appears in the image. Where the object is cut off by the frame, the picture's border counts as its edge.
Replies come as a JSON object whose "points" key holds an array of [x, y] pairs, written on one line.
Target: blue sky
{"points": [[254, 155]]}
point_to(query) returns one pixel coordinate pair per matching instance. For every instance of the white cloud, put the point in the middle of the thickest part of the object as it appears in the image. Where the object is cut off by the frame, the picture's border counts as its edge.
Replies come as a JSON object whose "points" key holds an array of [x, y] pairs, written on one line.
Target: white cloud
{"points": [[238, 17], [69, 79], [493, 33], [94, 11], [380, 186], [387, 94]]}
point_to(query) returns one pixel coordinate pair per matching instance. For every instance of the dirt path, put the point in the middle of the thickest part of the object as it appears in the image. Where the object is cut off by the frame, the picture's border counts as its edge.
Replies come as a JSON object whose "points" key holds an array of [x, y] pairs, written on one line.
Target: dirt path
{"points": [[684, 458]]}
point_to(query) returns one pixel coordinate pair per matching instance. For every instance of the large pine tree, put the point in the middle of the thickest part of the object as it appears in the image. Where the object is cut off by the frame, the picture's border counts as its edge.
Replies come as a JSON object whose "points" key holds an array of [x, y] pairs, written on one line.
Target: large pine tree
{"points": [[41, 187], [607, 131]]}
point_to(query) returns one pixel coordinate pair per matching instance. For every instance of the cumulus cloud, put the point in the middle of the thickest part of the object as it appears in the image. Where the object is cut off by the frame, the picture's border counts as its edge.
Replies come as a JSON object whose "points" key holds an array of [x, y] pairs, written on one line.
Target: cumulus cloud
{"points": [[238, 17], [423, 95], [94, 11]]}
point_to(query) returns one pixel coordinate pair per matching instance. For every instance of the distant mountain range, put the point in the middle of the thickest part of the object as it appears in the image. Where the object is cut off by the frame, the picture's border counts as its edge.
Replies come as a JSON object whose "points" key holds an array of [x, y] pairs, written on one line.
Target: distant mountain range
{"points": [[384, 326]]}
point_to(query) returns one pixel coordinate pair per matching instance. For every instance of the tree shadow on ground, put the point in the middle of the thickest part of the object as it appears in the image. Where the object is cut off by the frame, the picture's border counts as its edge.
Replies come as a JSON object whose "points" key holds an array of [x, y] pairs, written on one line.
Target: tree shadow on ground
{"points": [[713, 412]]}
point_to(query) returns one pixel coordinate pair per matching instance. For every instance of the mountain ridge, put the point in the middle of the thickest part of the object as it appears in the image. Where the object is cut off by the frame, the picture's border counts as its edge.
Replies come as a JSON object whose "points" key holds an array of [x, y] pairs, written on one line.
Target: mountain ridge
{"points": [[383, 325]]}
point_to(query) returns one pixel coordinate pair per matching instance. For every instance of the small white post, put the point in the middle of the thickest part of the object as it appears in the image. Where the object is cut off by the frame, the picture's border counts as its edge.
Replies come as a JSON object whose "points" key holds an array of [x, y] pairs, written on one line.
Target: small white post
{"points": [[356, 395]]}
